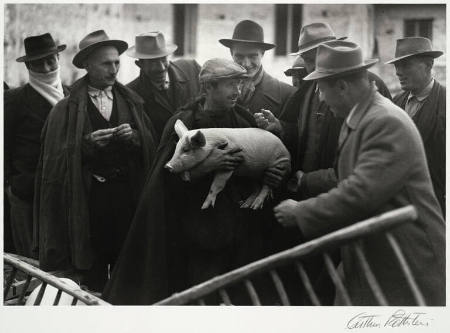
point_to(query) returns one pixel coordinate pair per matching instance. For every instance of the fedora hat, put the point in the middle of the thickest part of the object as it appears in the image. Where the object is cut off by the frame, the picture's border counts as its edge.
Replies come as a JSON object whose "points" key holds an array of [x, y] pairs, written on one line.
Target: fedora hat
{"points": [[37, 47], [94, 40], [338, 58], [217, 69], [297, 66], [411, 46], [150, 45], [248, 32], [314, 34]]}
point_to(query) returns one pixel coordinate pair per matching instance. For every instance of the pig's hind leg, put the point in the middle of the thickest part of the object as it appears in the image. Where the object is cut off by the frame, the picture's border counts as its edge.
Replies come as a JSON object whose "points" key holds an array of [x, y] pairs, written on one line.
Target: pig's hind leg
{"points": [[249, 201], [218, 184], [261, 197]]}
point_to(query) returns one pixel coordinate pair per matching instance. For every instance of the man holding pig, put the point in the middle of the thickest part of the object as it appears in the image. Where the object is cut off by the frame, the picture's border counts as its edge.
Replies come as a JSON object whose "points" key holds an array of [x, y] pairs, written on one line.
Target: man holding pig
{"points": [[97, 146], [173, 243]]}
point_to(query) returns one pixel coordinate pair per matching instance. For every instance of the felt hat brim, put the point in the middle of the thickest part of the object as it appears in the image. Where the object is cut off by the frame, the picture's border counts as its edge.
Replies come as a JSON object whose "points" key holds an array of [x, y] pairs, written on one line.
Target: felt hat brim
{"points": [[131, 52], [229, 43], [314, 46], [79, 58], [318, 75], [292, 70], [433, 54], [25, 58]]}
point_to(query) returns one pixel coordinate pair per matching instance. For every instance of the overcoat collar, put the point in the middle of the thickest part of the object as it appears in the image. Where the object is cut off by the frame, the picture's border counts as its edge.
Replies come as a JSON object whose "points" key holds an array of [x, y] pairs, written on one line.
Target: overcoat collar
{"points": [[361, 109]]}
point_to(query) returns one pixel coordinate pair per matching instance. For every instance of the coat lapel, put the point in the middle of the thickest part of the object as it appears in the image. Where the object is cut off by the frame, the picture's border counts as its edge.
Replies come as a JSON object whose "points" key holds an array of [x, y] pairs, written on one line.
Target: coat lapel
{"points": [[353, 122], [178, 82]]}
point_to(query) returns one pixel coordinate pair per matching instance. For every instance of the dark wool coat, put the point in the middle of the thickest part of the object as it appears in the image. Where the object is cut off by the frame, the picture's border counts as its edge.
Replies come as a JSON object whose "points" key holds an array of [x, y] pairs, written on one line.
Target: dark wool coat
{"points": [[381, 167], [270, 94], [295, 118], [184, 88], [25, 114], [170, 231], [430, 121], [61, 211]]}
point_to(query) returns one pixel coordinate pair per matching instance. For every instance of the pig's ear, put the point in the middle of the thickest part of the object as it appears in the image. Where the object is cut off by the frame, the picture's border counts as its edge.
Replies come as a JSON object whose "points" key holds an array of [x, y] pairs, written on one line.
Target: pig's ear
{"points": [[198, 140], [180, 128]]}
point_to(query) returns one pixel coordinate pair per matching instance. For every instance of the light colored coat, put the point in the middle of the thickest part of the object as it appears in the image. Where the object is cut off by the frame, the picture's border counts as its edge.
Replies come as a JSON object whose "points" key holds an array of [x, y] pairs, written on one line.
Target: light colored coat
{"points": [[382, 166]]}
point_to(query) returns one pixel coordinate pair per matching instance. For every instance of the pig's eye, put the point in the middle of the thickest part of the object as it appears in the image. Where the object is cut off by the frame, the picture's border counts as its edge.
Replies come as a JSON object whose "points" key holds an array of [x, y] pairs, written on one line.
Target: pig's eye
{"points": [[185, 149]]}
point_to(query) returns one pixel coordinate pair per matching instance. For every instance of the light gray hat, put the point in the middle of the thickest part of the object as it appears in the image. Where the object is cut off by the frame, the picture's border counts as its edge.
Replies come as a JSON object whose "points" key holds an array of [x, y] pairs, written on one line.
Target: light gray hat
{"points": [[217, 68]]}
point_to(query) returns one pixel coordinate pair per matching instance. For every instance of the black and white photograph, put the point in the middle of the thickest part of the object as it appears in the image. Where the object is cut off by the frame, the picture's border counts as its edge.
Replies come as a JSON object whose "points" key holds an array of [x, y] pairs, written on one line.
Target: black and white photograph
{"points": [[224, 167]]}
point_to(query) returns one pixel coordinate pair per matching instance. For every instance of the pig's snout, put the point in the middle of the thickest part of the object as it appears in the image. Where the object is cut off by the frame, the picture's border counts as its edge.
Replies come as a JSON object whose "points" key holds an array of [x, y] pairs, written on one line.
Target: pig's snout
{"points": [[169, 167]]}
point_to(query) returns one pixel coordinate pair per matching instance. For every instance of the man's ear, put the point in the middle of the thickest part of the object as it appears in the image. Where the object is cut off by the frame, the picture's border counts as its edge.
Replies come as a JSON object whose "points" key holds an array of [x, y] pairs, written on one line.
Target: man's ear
{"points": [[180, 128], [198, 140]]}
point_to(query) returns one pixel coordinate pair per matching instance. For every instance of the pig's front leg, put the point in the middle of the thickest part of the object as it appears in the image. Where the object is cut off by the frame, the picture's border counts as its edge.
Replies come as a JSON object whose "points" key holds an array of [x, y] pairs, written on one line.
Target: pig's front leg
{"points": [[218, 184]]}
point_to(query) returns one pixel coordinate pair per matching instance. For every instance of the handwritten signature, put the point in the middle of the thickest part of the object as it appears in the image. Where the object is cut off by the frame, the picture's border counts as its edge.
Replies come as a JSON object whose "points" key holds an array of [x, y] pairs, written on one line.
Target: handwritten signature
{"points": [[399, 318]]}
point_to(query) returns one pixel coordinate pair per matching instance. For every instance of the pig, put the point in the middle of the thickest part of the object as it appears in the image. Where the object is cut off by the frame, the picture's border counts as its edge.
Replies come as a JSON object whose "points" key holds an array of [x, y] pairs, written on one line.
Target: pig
{"points": [[261, 150]]}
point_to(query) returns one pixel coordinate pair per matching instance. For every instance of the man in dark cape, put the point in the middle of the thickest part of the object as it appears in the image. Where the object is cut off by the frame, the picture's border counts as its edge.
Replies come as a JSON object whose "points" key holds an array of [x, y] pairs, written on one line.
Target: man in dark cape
{"points": [[423, 99], [172, 243], [76, 178]]}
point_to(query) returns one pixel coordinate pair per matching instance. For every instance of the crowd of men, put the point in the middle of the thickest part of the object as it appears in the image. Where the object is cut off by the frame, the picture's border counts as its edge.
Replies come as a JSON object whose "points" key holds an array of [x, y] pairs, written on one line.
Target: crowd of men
{"points": [[88, 192]]}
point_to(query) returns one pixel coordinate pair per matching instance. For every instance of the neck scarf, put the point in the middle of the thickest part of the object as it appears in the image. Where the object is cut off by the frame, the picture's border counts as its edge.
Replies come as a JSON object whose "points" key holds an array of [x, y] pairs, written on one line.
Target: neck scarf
{"points": [[249, 87], [48, 85]]}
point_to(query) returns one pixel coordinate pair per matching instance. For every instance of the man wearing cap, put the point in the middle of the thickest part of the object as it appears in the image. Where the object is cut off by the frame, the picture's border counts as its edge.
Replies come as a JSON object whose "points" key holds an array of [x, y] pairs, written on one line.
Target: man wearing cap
{"points": [[297, 72], [97, 148], [164, 85], [381, 166], [173, 244], [423, 98], [260, 90], [26, 109], [308, 128]]}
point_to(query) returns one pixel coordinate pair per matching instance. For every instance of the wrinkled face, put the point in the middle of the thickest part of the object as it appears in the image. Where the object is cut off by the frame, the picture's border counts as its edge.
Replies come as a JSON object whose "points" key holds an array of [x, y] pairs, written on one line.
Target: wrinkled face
{"points": [[247, 56], [224, 94], [154, 69], [102, 66], [332, 96], [191, 149], [309, 57], [44, 65], [413, 74]]}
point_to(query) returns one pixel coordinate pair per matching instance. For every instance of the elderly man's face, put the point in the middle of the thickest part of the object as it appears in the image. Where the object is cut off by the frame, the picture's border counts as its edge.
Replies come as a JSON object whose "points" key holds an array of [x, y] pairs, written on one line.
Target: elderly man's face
{"points": [[224, 93], [154, 69], [102, 66], [413, 73], [248, 56], [44, 65], [309, 57]]}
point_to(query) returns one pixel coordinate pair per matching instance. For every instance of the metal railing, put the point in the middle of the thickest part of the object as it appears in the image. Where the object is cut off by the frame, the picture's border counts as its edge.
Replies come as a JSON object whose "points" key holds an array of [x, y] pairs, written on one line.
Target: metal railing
{"points": [[218, 288], [32, 276]]}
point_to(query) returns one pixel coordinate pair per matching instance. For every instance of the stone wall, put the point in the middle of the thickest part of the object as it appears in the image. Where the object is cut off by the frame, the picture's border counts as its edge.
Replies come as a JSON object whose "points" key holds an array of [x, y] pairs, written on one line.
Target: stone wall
{"points": [[68, 23]]}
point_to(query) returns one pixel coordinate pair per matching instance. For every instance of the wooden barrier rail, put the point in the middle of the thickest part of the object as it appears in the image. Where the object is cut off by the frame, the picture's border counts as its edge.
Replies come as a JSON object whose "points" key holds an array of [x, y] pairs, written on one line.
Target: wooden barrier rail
{"points": [[47, 279], [348, 236]]}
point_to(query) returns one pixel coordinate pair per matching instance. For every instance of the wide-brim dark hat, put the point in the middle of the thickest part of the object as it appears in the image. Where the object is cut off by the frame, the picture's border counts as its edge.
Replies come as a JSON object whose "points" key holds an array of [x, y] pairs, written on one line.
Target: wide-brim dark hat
{"points": [[338, 58], [313, 35], [297, 67], [247, 32], [413, 46], [93, 41], [38, 47], [151, 45]]}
